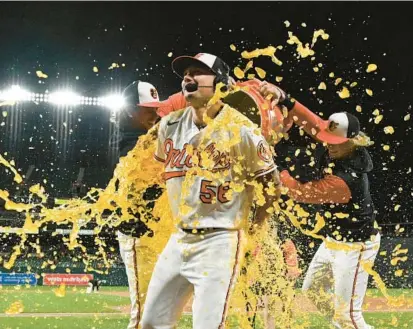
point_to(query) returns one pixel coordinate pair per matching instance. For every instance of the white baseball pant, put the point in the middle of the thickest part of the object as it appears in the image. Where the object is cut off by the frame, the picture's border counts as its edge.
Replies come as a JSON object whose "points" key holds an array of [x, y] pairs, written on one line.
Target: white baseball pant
{"points": [[337, 274], [128, 247], [206, 265]]}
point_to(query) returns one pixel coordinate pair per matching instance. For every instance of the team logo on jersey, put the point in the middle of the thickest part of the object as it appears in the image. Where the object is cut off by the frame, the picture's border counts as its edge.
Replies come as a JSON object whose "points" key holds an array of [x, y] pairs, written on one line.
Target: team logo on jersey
{"points": [[154, 93], [180, 158], [264, 152]]}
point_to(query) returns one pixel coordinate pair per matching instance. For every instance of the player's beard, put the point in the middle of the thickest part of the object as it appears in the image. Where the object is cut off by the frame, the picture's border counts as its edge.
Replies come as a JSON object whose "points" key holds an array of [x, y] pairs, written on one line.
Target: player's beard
{"points": [[197, 100]]}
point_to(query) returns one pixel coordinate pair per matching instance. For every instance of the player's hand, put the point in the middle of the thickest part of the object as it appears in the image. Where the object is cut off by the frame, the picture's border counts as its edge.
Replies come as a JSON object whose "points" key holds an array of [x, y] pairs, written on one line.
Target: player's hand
{"points": [[257, 251], [271, 92], [231, 83], [293, 272]]}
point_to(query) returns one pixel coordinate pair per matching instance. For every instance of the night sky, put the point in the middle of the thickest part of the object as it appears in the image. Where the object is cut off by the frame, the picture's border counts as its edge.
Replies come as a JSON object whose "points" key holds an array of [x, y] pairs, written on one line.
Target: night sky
{"points": [[66, 40]]}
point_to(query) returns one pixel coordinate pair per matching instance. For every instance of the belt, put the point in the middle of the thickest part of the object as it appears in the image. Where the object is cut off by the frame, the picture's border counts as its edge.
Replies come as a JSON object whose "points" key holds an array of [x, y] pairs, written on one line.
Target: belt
{"points": [[201, 230]]}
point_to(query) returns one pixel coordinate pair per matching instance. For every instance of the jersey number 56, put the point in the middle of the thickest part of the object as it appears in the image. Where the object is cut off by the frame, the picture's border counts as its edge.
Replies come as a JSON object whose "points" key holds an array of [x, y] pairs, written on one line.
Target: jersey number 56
{"points": [[209, 192]]}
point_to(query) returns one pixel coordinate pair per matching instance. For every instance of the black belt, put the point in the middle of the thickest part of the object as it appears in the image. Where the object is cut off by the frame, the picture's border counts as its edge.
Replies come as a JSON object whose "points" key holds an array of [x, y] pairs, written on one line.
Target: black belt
{"points": [[201, 230]]}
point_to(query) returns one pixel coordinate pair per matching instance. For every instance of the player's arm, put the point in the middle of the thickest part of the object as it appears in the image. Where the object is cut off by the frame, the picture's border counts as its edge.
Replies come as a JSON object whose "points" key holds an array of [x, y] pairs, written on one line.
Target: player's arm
{"points": [[271, 189], [297, 112], [330, 189], [174, 102], [260, 168], [291, 259]]}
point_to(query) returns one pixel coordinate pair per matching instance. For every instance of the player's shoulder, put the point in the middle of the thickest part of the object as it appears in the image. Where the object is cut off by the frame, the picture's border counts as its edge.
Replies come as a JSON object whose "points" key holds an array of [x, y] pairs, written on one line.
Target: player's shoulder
{"points": [[237, 118], [247, 127], [173, 117]]}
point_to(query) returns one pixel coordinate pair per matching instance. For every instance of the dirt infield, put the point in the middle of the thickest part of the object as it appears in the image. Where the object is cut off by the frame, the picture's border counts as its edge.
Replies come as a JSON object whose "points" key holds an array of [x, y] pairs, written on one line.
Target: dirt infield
{"points": [[303, 305]]}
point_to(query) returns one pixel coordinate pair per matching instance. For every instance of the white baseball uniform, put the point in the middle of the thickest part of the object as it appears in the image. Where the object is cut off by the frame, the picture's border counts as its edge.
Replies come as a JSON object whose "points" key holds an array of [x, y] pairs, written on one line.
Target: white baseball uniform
{"points": [[138, 258], [337, 267], [128, 247], [205, 264]]}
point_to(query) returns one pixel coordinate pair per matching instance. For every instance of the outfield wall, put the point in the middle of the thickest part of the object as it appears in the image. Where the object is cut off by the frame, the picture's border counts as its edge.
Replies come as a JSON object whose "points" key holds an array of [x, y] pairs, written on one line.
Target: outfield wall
{"points": [[117, 277]]}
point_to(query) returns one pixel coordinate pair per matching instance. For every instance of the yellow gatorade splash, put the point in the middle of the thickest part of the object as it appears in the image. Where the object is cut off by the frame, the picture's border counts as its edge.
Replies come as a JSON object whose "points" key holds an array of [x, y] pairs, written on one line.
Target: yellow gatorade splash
{"points": [[261, 73], [302, 50], [262, 271], [60, 291], [269, 51], [239, 73], [17, 177], [15, 308], [344, 93], [265, 270], [307, 49], [135, 173], [371, 68], [317, 34]]}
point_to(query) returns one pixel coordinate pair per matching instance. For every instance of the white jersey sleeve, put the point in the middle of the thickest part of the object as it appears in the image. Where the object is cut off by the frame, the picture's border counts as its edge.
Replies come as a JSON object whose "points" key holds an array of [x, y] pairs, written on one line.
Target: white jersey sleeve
{"points": [[160, 151], [258, 159]]}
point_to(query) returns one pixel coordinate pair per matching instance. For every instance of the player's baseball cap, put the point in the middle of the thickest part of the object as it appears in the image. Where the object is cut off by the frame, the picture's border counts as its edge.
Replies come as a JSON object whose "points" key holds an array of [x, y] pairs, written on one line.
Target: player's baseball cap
{"points": [[141, 93], [339, 128], [211, 62]]}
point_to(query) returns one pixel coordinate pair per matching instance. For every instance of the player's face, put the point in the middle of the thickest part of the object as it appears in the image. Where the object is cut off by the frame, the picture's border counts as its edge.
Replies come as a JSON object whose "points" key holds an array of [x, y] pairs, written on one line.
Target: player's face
{"points": [[147, 117], [340, 151], [204, 78]]}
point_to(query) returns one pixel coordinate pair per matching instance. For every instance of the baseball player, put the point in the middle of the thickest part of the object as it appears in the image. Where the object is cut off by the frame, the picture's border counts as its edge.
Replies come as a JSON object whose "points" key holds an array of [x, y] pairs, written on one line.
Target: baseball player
{"points": [[247, 98], [138, 116], [94, 285], [352, 239], [203, 256]]}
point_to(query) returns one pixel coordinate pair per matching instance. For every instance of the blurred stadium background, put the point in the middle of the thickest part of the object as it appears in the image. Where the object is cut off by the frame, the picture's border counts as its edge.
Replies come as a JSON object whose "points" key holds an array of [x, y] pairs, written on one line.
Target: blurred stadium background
{"points": [[70, 149]]}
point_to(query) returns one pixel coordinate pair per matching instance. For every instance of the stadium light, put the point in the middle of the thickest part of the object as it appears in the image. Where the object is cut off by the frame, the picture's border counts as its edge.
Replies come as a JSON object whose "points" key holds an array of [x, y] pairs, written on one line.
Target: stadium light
{"points": [[14, 94], [65, 98], [114, 102]]}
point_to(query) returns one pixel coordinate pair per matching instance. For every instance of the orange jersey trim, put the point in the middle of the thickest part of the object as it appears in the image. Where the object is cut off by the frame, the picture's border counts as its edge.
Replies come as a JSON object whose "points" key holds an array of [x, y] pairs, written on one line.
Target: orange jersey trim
{"points": [[158, 158], [330, 189], [173, 174]]}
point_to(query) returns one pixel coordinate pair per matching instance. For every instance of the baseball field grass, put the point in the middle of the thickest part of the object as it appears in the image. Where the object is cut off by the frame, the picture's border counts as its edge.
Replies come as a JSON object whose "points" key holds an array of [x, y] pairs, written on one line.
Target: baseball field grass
{"points": [[48, 308]]}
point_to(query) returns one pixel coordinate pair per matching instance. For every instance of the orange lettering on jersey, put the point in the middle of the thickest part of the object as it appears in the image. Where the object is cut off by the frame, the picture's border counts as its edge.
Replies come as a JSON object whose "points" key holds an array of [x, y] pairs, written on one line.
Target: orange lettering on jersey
{"points": [[177, 162], [170, 152], [179, 158]]}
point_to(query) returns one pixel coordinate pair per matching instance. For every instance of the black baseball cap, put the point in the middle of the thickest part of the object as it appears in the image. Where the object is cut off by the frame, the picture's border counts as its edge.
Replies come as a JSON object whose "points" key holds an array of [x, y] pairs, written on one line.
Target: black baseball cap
{"points": [[141, 93], [339, 128], [211, 62]]}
